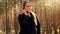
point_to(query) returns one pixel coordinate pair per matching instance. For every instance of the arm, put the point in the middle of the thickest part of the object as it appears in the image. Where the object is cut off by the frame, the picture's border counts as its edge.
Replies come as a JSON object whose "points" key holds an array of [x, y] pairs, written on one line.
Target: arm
{"points": [[19, 21]]}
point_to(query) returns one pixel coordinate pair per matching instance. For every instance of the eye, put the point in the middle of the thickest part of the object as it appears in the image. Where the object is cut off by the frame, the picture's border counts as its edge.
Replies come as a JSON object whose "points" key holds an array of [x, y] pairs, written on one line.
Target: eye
{"points": [[28, 6]]}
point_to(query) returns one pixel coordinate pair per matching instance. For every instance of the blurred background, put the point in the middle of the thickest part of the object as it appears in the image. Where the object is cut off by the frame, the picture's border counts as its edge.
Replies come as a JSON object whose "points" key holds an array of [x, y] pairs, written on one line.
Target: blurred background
{"points": [[48, 12]]}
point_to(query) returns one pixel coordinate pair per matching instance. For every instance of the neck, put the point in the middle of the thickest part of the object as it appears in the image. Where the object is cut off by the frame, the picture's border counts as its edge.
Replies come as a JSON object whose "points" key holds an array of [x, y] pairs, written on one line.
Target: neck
{"points": [[28, 14]]}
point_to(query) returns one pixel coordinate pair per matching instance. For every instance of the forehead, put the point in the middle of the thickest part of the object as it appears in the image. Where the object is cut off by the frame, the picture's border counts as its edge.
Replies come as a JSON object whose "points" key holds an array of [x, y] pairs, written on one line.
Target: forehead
{"points": [[27, 4]]}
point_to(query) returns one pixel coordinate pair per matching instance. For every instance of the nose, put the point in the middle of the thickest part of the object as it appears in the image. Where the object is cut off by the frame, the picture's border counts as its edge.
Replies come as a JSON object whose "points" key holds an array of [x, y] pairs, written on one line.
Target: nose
{"points": [[29, 7]]}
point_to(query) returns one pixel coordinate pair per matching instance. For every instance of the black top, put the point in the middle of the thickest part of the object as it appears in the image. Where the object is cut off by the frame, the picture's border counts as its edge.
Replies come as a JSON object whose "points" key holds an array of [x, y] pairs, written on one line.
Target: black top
{"points": [[27, 25]]}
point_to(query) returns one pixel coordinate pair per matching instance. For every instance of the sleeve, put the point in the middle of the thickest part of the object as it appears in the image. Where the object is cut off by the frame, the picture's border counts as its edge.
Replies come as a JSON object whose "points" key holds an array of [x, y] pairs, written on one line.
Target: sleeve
{"points": [[20, 19], [38, 26]]}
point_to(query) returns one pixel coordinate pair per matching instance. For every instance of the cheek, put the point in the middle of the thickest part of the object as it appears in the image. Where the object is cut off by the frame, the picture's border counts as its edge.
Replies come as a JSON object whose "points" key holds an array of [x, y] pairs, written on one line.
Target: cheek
{"points": [[30, 8], [26, 8]]}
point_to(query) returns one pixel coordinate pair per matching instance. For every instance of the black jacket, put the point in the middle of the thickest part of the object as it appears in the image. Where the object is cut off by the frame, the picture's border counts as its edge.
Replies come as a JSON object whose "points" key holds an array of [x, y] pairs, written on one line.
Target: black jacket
{"points": [[27, 25]]}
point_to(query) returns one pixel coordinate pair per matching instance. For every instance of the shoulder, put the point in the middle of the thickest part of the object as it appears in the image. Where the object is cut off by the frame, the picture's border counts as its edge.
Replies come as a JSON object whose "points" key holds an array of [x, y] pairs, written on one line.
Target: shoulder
{"points": [[20, 16], [33, 13]]}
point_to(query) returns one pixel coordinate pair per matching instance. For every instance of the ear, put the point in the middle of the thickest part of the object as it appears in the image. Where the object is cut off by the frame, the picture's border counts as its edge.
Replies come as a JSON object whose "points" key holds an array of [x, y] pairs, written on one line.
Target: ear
{"points": [[31, 7]]}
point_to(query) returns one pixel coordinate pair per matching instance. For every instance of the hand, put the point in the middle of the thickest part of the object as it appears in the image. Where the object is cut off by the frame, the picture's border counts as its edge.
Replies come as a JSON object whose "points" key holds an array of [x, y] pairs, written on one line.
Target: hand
{"points": [[25, 11]]}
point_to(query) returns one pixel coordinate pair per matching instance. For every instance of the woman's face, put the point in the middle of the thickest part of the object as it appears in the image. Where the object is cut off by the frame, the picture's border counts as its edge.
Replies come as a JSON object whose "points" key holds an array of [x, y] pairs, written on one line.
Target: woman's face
{"points": [[28, 7]]}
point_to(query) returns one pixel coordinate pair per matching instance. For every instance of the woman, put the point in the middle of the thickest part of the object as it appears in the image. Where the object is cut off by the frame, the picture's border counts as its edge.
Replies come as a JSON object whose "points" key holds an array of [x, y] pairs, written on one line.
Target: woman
{"points": [[28, 21]]}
